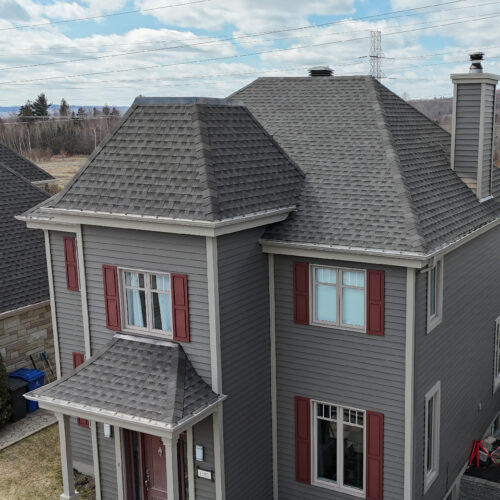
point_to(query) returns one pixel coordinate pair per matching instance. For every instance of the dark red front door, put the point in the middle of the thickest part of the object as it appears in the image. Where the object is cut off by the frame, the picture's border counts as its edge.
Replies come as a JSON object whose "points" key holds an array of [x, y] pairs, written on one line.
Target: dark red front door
{"points": [[154, 468]]}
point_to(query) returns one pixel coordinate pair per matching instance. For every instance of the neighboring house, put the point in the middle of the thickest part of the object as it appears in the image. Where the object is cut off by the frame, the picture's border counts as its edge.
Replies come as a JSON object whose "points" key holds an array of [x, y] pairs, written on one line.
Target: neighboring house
{"points": [[25, 318], [293, 298]]}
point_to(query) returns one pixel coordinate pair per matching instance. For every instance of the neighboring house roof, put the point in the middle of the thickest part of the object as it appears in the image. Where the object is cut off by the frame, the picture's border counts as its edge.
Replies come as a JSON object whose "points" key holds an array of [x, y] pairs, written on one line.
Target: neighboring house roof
{"points": [[134, 379], [378, 174], [23, 166], [23, 268], [186, 158]]}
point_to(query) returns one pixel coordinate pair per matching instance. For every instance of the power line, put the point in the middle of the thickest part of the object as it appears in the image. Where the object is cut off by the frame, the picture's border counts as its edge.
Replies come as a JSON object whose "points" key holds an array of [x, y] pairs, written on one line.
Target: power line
{"points": [[101, 16], [212, 59]]}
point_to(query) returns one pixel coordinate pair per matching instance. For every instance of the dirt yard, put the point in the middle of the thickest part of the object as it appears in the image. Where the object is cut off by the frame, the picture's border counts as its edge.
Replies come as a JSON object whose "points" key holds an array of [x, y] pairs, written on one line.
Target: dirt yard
{"points": [[32, 469], [61, 167]]}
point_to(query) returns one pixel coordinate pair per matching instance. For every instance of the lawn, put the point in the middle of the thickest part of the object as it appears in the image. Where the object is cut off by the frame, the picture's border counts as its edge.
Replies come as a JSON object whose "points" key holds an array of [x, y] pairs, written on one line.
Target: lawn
{"points": [[32, 469]]}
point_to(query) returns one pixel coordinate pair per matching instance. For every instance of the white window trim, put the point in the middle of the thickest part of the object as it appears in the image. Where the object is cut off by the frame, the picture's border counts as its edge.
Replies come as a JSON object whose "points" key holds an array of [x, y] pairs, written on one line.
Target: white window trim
{"points": [[339, 287], [150, 332], [322, 483], [496, 359], [437, 318], [430, 476]]}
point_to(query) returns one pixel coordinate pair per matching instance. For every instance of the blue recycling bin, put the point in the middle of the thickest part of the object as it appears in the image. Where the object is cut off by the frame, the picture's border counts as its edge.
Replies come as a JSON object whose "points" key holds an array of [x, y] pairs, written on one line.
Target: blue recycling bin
{"points": [[34, 378]]}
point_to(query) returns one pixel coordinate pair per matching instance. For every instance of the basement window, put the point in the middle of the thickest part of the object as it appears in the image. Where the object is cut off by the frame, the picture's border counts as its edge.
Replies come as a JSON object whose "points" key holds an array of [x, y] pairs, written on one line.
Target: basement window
{"points": [[435, 295]]}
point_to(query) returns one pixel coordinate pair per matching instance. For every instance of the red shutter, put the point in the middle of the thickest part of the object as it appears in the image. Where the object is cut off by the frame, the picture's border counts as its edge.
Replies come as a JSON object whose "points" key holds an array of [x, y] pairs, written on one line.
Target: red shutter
{"points": [[71, 263], [180, 307], [301, 293], [111, 297], [374, 455], [302, 440], [78, 359], [375, 302]]}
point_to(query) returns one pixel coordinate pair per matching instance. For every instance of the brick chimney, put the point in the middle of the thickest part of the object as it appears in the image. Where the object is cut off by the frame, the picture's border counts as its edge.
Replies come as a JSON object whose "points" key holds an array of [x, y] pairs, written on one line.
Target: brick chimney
{"points": [[473, 123]]}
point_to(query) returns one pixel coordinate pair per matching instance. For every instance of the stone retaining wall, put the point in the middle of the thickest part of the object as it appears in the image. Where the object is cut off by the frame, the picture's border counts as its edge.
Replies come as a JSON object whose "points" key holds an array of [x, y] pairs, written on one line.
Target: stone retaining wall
{"points": [[28, 331]]}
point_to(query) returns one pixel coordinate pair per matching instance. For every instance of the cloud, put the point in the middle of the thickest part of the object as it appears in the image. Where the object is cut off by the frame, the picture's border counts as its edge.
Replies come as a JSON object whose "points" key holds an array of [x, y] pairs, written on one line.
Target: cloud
{"points": [[247, 15], [10, 10]]}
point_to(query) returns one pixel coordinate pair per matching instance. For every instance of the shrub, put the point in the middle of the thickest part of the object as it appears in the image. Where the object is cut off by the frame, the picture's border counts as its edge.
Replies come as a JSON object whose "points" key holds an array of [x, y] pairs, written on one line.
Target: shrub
{"points": [[5, 406]]}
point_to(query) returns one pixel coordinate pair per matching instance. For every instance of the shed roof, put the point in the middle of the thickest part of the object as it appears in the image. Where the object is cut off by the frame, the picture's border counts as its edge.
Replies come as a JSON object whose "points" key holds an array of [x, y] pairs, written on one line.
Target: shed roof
{"points": [[378, 174]]}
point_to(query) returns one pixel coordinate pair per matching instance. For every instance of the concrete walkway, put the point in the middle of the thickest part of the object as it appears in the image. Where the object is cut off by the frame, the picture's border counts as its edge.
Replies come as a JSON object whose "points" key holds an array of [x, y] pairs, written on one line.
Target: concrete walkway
{"points": [[33, 422]]}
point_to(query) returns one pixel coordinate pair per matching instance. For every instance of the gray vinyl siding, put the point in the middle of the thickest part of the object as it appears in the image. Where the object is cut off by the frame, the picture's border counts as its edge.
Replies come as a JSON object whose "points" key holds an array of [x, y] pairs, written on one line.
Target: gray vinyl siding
{"points": [[245, 354], [203, 435], [488, 124], [467, 132], [107, 463], [341, 367], [151, 252], [70, 334], [459, 353]]}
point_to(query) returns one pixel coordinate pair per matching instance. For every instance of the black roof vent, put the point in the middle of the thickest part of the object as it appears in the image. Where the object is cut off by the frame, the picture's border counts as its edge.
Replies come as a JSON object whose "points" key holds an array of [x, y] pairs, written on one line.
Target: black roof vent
{"points": [[321, 71], [476, 66]]}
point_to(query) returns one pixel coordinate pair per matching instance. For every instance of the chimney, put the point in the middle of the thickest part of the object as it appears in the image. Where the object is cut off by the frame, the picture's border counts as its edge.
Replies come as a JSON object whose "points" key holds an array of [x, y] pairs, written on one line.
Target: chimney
{"points": [[473, 123], [321, 71]]}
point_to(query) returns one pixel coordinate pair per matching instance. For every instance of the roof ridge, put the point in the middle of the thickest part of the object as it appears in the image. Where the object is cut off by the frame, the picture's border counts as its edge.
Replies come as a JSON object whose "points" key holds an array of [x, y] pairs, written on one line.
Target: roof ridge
{"points": [[206, 172], [393, 160]]}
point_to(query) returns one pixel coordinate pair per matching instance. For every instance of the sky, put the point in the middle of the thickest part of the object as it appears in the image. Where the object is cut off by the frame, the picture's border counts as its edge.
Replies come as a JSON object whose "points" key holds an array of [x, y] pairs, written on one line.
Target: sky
{"points": [[93, 52]]}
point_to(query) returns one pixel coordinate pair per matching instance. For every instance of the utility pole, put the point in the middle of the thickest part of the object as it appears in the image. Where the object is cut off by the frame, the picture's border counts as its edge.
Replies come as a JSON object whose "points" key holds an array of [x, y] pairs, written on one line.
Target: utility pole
{"points": [[376, 55]]}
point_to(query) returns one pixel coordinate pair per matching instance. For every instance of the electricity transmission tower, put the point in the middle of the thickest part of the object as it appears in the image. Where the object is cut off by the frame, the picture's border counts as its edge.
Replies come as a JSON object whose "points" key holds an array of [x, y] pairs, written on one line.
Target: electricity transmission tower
{"points": [[376, 54]]}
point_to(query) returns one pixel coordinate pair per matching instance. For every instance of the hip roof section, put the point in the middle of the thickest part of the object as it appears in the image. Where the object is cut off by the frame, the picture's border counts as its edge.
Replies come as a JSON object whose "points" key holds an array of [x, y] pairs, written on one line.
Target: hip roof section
{"points": [[377, 171], [186, 158]]}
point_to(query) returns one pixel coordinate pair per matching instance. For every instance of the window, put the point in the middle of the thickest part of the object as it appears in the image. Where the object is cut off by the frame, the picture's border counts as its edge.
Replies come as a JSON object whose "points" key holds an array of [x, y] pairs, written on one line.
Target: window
{"points": [[147, 302], [434, 295], [432, 424], [339, 297], [497, 355], [339, 447]]}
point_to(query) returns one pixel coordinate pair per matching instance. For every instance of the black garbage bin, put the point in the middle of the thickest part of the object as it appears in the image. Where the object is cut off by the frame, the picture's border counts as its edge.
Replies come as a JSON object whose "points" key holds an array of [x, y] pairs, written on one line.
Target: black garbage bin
{"points": [[18, 387]]}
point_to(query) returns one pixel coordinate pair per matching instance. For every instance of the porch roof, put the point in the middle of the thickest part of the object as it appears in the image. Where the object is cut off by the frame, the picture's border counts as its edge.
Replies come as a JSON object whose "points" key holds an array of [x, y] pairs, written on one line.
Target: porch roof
{"points": [[136, 380]]}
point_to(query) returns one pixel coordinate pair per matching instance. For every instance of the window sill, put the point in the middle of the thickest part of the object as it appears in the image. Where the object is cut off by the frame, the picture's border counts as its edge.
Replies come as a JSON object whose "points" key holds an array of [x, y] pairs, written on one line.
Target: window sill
{"points": [[433, 323], [429, 480], [342, 489], [336, 326], [147, 333]]}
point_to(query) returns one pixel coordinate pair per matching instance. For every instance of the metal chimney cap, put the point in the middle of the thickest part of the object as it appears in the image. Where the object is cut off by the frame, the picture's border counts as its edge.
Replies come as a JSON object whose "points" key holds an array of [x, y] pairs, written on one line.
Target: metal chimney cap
{"points": [[476, 66], [321, 71]]}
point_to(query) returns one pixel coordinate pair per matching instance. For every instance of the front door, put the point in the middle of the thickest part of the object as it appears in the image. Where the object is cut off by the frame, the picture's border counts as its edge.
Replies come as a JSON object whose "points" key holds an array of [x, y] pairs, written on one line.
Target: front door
{"points": [[154, 467]]}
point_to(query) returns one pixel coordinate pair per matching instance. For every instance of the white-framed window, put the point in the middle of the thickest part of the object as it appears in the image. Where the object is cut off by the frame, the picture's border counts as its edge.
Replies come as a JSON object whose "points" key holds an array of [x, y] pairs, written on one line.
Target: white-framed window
{"points": [[431, 436], [435, 295], [339, 297], [147, 301], [496, 378], [339, 448]]}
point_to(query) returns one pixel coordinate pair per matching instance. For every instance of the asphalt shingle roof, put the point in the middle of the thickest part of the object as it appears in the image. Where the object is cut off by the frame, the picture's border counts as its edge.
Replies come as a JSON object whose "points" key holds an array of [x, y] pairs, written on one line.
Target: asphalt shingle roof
{"points": [[22, 165], [23, 268], [378, 174], [197, 159], [137, 378]]}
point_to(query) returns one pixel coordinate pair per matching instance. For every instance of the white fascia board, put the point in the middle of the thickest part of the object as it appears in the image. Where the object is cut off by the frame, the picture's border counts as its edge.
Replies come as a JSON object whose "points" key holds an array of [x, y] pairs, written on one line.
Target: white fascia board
{"points": [[416, 261], [52, 218], [117, 419]]}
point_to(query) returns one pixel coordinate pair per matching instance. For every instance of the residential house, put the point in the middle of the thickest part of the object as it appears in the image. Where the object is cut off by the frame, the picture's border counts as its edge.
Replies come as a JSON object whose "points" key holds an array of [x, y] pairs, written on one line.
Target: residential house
{"points": [[25, 318], [289, 294]]}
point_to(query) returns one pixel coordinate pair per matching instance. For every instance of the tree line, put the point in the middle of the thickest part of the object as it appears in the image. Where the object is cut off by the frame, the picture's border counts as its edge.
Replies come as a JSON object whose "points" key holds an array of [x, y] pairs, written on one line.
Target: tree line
{"points": [[37, 133]]}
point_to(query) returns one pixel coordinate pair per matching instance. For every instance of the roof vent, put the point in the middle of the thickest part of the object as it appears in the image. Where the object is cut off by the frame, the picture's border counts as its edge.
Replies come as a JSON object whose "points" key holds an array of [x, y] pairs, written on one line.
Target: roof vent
{"points": [[476, 66], [321, 71]]}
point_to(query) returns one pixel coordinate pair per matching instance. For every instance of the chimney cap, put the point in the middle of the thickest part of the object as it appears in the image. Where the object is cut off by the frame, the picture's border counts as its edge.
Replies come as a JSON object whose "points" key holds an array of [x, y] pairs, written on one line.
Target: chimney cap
{"points": [[476, 58], [321, 71]]}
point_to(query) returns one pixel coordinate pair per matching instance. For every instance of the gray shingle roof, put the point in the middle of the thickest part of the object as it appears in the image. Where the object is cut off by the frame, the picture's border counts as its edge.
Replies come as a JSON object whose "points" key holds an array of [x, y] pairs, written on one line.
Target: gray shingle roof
{"points": [[377, 171], [23, 268], [197, 159], [22, 165], [146, 379]]}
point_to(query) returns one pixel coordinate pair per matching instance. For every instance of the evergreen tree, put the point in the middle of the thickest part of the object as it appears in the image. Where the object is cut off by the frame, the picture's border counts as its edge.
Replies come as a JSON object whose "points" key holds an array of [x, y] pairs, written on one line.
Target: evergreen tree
{"points": [[105, 110], [95, 112], [81, 113], [26, 111], [64, 108], [115, 112], [41, 106], [5, 405]]}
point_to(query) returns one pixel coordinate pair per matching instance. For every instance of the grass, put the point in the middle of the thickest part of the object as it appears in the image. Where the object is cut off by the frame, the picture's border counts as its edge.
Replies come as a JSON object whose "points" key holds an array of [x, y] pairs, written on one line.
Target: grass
{"points": [[62, 167], [32, 469]]}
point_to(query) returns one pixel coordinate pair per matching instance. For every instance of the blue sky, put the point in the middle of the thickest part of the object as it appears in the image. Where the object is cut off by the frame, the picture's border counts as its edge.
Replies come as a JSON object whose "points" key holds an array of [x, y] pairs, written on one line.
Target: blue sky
{"points": [[213, 47]]}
